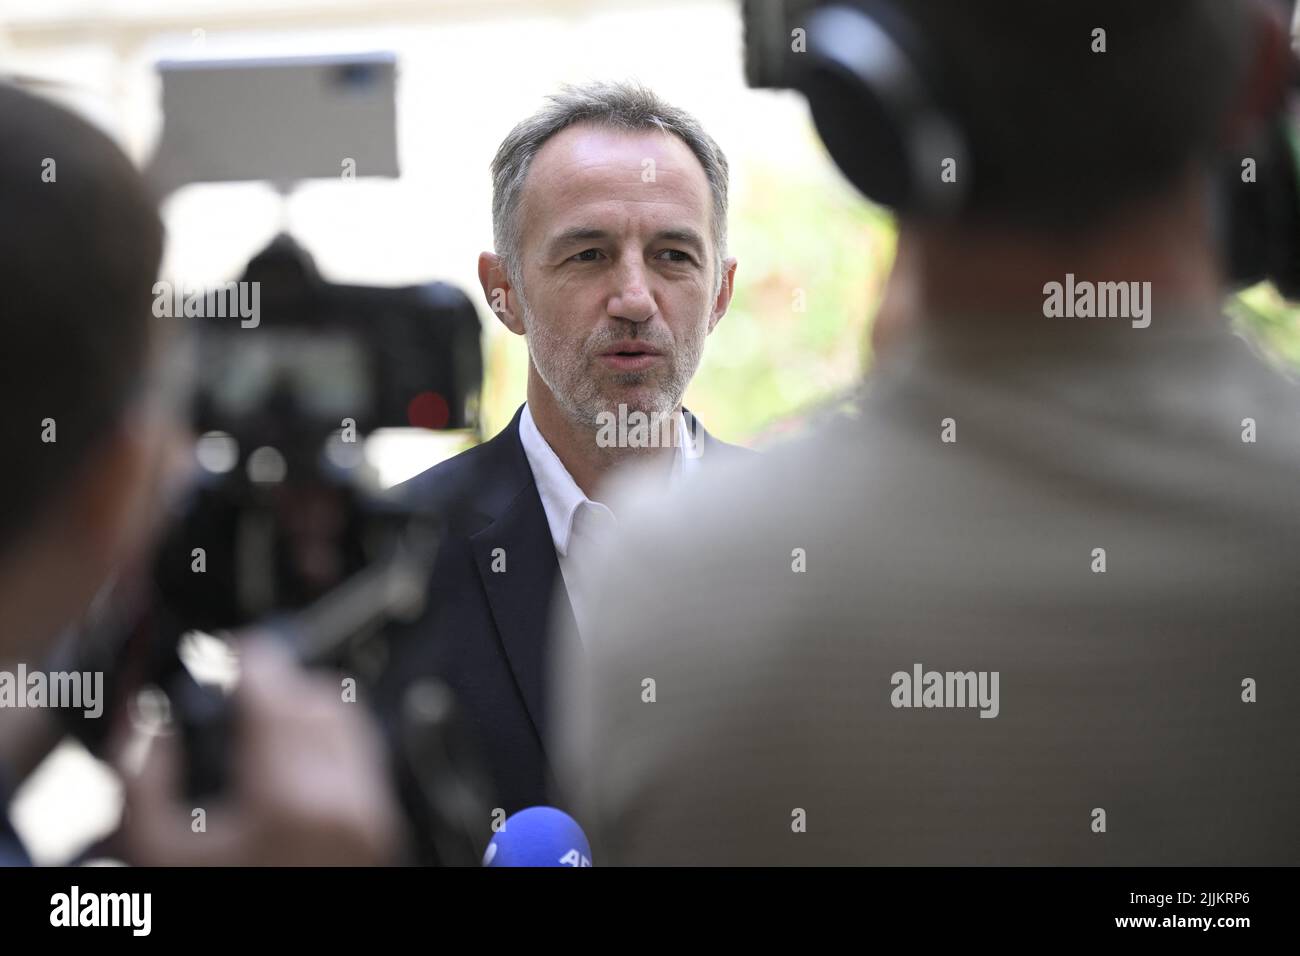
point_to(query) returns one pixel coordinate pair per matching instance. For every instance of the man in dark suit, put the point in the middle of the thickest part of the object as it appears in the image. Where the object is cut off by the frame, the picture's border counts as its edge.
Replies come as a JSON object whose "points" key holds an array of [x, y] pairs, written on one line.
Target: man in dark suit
{"points": [[609, 207]]}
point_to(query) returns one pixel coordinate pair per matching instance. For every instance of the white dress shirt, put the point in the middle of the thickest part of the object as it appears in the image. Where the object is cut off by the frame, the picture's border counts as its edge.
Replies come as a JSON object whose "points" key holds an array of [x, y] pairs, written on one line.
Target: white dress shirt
{"points": [[577, 522]]}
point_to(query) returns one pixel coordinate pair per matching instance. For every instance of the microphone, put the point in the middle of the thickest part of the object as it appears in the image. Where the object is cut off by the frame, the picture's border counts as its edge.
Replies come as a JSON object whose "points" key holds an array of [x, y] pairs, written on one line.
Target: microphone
{"points": [[539, 836]]}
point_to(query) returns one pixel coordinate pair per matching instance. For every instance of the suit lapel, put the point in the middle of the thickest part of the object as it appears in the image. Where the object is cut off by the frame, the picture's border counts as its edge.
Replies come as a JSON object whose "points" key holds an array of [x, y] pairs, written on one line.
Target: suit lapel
{"points": [[520, 596]]}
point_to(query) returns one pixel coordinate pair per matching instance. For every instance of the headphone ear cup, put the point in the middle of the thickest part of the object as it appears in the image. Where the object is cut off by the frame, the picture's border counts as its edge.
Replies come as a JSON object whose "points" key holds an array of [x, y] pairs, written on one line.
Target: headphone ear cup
{"points": [[1285, 269], [861, 136], [872, 89], [1263, 217]]}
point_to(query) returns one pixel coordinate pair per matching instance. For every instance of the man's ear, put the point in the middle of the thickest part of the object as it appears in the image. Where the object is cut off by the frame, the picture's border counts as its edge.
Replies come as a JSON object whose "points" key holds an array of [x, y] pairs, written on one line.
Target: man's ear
{"points": [[501, 297], [723, 300]]}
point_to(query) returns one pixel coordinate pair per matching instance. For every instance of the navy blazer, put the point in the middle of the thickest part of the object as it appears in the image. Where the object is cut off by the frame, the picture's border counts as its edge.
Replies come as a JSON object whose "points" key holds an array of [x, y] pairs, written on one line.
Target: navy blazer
{"points": [[485, 633]]}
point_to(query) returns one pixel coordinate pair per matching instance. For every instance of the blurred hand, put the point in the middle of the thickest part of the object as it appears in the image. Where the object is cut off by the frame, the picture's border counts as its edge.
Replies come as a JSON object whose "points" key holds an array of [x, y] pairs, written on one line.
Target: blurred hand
{"points": [[309, 785]]}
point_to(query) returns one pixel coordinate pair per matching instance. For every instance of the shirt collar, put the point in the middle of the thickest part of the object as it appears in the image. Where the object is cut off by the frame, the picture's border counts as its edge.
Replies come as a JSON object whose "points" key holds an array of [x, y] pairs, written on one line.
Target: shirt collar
{"points": [[560, 494], [562, 499]]}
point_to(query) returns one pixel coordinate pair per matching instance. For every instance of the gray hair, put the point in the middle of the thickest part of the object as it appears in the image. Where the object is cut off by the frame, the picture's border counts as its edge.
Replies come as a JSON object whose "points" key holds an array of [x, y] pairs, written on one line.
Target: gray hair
{"points": [[625, 106]]}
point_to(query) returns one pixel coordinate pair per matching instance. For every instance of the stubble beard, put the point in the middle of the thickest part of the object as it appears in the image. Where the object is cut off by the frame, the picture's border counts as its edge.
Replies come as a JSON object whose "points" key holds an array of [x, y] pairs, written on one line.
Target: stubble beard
{"points": [[576, 383]]}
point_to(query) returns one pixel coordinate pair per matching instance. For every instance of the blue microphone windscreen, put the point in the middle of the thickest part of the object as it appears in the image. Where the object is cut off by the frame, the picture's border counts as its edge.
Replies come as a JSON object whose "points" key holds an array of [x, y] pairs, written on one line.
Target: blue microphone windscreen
{"points": [[539, 836]]}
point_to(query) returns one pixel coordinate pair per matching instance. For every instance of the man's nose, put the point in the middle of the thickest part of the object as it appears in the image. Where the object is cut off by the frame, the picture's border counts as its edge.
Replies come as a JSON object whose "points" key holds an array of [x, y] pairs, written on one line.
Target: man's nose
{"points": [[632, 300]]}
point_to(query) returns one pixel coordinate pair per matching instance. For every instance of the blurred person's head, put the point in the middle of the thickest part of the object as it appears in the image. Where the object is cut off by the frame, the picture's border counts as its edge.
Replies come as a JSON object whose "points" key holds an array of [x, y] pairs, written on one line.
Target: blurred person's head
{"points": [[80, 243], [609, 221], [1091, 150]]}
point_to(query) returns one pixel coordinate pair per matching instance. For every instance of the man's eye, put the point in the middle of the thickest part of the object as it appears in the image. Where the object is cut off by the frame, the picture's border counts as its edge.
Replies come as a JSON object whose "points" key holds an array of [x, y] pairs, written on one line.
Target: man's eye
{"points": [[587, 255], [676, 255]]}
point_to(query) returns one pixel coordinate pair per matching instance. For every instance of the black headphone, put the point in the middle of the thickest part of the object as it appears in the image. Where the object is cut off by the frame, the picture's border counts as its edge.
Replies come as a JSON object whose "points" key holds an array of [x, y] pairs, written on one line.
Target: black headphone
{"points": [[881, 103], [877, 96], [1261, 219]]}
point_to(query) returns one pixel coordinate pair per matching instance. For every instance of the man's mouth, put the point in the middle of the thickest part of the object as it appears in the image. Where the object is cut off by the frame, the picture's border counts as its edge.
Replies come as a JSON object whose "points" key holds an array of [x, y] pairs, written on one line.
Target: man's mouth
{"points": [[630, 356]]}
